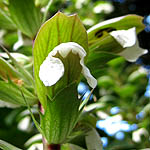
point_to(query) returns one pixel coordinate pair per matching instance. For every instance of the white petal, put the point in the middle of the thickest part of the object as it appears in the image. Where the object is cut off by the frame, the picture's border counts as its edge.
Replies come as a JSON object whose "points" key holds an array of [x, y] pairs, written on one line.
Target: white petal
{"points": [[133, 53], [19, 43], [65, 48], [51, 70], [90, 79], [126, 38]]}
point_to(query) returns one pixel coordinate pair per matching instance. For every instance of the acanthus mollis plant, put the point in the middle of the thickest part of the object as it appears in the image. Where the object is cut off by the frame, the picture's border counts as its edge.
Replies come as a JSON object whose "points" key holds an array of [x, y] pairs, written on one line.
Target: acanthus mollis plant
{"points": [[60, 51], [64, 53]]}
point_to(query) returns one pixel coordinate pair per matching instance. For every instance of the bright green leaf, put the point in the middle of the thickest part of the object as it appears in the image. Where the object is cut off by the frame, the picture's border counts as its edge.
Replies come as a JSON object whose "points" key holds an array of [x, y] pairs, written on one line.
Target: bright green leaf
{"points": [[59, 29], [26, 16]]}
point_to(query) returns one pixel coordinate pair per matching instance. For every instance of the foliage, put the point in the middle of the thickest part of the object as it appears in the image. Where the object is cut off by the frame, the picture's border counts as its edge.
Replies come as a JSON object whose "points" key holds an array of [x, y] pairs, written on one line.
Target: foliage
{"points": [[57, 112]]}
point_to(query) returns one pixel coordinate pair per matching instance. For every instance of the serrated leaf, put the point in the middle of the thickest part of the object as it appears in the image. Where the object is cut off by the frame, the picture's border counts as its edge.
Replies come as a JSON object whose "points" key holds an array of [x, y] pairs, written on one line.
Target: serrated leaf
{"points": [[26, 16], [6, 146], [58, 29]]}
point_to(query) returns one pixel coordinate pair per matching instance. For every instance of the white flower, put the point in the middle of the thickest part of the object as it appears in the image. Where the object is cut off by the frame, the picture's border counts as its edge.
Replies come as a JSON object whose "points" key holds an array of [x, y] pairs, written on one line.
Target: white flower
{"points": [[128, 40], [103, 7], [52, 68]]}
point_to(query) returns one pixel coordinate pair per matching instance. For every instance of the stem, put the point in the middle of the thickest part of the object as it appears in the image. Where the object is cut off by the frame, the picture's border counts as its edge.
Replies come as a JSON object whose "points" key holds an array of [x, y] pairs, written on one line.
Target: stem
{"points": [[47, 146]]}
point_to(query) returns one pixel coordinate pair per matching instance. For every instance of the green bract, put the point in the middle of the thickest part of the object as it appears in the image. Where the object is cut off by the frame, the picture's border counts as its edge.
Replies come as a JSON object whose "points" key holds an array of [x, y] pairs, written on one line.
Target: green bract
{"points": [[59, 29], [103, 46]]}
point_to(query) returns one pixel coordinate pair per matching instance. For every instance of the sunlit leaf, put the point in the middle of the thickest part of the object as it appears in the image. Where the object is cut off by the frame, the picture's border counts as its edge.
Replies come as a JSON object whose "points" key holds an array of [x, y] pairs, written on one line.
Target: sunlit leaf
{"points": [[26, 16], [59, 29]]}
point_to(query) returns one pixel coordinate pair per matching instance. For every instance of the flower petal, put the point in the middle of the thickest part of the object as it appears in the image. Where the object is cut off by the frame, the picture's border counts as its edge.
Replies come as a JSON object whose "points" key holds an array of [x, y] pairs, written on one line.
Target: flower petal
{"points": [[51, 70], [90, 79], [131, 54], [65, 48], [127, 39]]}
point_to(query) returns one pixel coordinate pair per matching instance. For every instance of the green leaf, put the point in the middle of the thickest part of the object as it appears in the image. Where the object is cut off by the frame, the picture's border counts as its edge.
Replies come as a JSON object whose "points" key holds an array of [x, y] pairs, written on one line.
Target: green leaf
{"points": [[23, 72], [9, 70], [41, 3], [32, 115], [61, 115], [71, 147], [6, 146], [26, 16], [93, 140], [5, 20], [85, 101], [59, 29], [120, 23], [9, 92]]}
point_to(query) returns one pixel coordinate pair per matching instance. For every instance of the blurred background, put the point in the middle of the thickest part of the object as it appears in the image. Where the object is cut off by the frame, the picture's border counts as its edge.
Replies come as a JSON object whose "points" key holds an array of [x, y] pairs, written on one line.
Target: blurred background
{"points": [[121, 101]]}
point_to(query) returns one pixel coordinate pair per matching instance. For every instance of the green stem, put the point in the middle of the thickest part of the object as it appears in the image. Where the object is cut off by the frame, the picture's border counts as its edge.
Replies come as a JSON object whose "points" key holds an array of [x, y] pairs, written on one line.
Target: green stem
{"points": [[46, 11]]}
